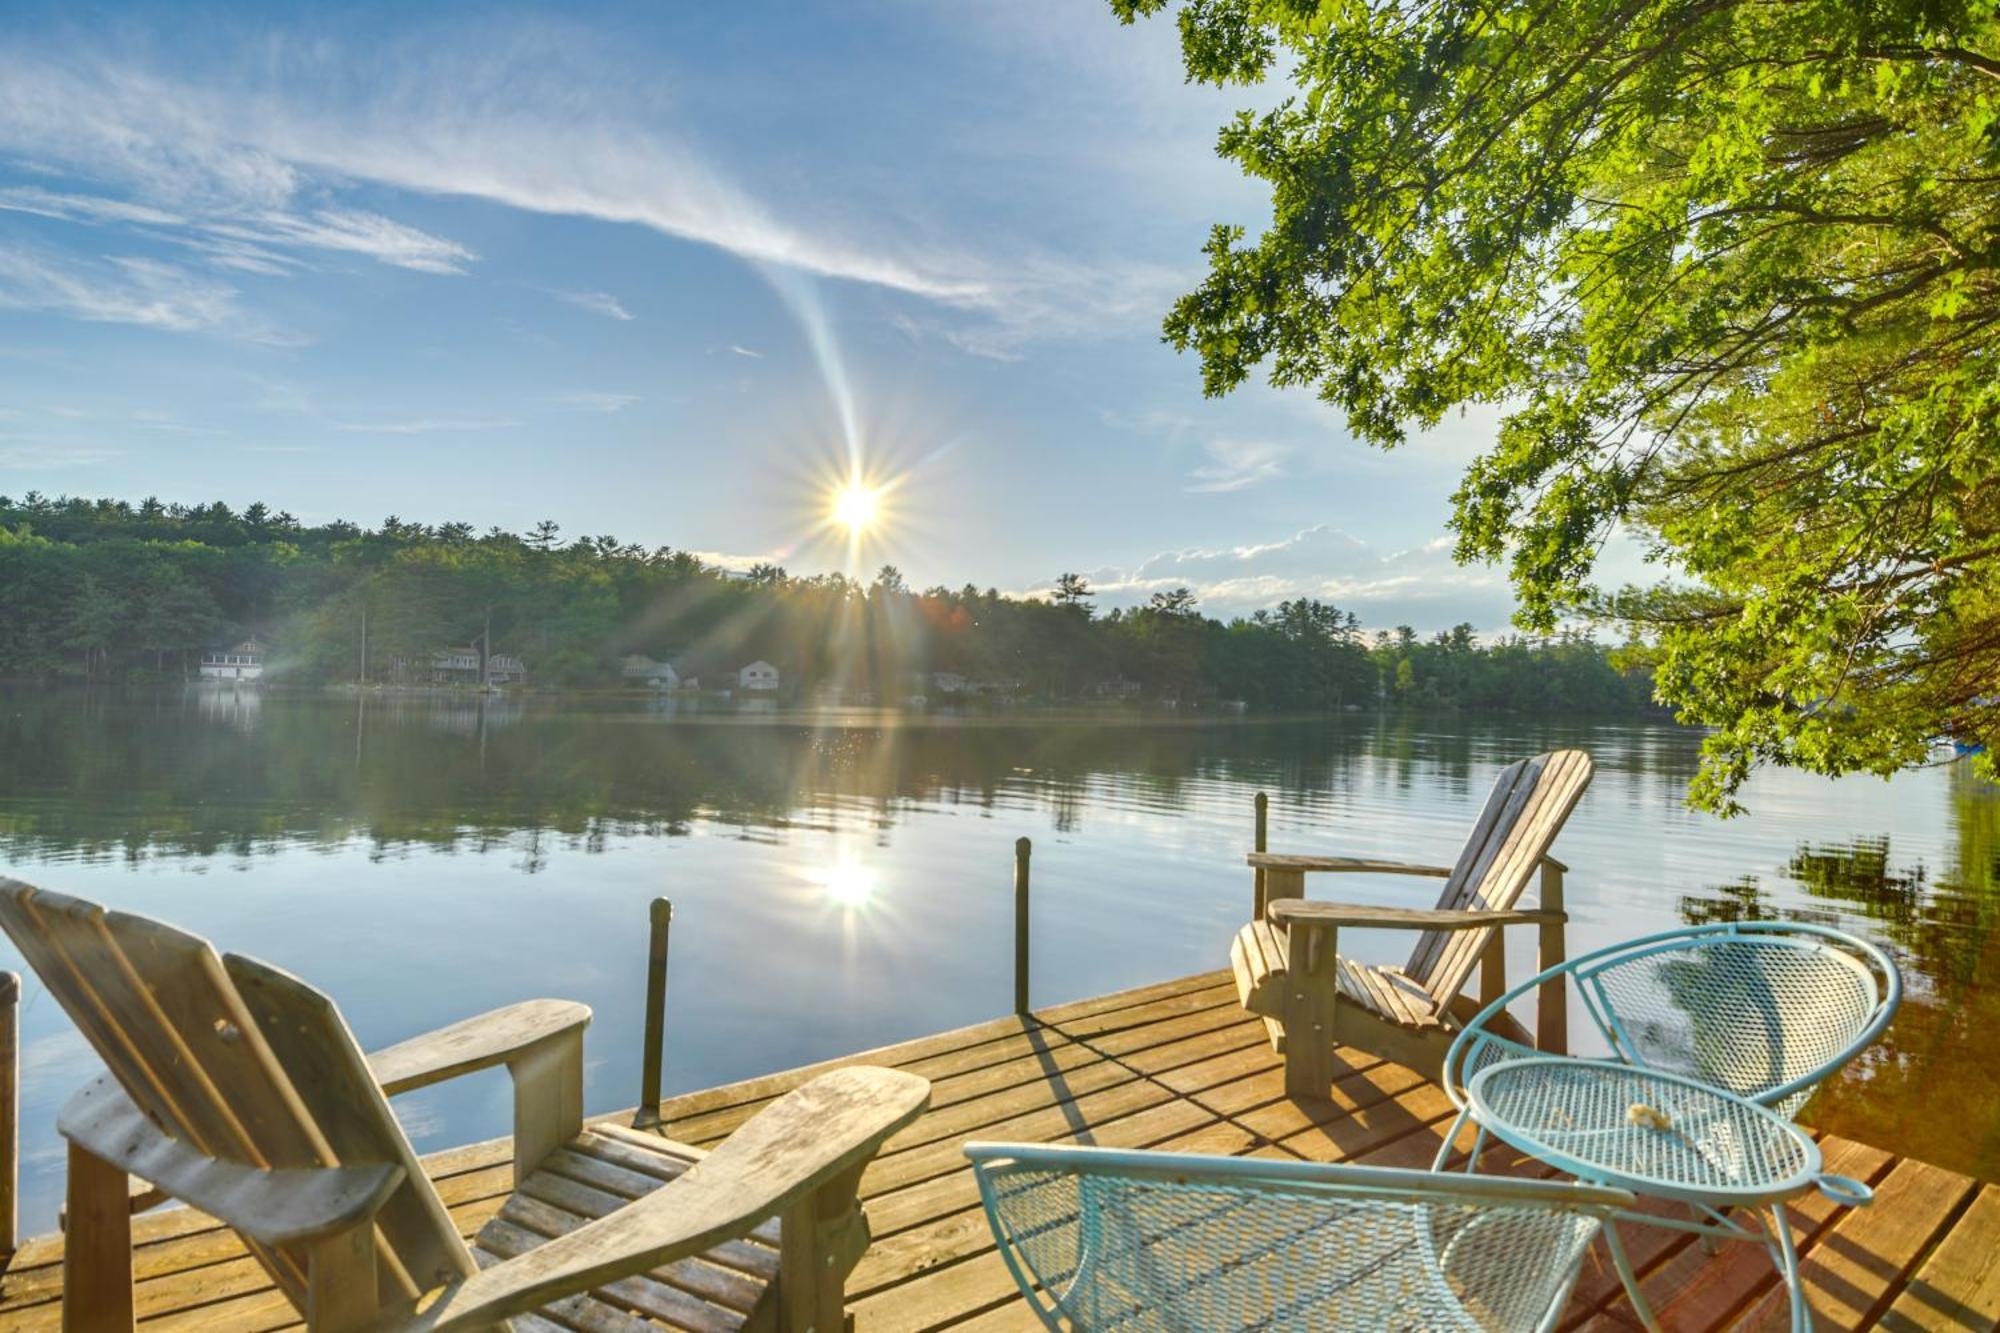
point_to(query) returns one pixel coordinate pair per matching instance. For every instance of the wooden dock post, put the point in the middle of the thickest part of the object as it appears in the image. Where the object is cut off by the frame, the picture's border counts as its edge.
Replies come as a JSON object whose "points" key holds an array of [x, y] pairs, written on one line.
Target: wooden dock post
{"points": [[1023, 849], [1263, 844], [10, 1112], [648, 1114], [1552, 1004]]}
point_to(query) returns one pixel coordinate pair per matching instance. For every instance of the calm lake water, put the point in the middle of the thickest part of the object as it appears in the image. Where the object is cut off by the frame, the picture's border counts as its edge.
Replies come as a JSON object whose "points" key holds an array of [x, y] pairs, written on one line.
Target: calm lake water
{"points": [[841, 882]]}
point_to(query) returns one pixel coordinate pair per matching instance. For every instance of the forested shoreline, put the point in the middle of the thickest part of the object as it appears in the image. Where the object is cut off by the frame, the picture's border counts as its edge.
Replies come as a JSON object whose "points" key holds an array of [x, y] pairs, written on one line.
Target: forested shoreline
{"points": [[110, 590]]}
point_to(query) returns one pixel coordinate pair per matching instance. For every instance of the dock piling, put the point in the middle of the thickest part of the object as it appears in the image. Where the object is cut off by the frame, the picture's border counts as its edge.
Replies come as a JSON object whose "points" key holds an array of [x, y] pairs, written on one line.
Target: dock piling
{"points": [[1023, 849], [648, 1114], [1262, 844], [10, 1112]]}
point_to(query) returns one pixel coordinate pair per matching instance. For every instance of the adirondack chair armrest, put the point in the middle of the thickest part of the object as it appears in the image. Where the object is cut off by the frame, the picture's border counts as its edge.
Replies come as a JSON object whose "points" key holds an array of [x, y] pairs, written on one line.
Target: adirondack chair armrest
{"points": [[1301, 911], [1339, 864], [799, 1159], [277, 1207], [500, 1036]]}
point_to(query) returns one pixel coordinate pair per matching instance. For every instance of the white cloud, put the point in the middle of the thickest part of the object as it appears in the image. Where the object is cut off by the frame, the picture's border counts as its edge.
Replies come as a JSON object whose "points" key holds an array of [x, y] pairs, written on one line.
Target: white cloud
{"points": [[521, 125], [31, 455], [597, 303], [241, 256], [81, 208], [745, 351], [426, 425], [252, 153], [126, 290], [1421, 586], [590, 401], [246, 239], [1236, 464], [350, 230], [733, 562]]}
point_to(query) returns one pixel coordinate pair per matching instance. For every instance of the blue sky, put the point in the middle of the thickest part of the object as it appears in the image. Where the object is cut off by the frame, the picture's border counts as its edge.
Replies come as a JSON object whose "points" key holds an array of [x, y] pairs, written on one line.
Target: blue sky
{"points": [[643, 269]]}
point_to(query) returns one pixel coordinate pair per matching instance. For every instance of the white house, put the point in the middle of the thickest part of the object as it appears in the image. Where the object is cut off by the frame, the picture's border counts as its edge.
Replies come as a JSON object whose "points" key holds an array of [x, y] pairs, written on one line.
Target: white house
{"points": [[947, 682], [759, 676], [642, 670], [245, 661], [461, 665]]}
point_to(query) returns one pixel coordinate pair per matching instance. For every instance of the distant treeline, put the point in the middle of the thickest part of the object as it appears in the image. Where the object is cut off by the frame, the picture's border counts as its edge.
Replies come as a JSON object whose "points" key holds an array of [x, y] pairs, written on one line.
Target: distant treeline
{"points": [[108, 589]]}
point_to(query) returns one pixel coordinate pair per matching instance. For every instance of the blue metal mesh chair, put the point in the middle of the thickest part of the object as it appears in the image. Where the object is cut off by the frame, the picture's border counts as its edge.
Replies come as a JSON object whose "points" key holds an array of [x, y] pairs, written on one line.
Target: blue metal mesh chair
{"points": [[1729, 1028], [1106, 1239], [1764, 1009]]}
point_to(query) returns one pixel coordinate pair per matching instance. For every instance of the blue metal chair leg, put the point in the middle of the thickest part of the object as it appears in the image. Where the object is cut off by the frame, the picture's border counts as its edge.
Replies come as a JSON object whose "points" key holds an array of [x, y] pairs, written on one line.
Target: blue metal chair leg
{"points": [[1788, 1269], [1711, 1244], [1478, 1145], [1450, 1137], [1623, 1264]]}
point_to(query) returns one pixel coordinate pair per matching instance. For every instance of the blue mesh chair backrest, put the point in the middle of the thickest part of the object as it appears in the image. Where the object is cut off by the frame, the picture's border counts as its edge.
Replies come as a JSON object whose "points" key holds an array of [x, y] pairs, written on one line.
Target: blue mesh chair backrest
{"points": [[1145, 1241], [1766, 1011]]}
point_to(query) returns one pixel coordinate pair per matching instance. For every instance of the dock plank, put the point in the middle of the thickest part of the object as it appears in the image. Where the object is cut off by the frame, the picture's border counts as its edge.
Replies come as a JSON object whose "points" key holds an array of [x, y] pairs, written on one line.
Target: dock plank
{"points": [[1176, 1066], [1959, 1285]]}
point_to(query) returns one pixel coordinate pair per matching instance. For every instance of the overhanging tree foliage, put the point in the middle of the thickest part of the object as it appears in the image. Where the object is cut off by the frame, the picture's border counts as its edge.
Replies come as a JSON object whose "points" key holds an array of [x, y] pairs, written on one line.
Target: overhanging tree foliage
{"points": [[1731, 267]]}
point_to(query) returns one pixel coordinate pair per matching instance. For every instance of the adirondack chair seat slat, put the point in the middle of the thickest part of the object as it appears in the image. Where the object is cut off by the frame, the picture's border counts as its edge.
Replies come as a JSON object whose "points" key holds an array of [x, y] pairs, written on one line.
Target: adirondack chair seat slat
{"points": [[1289, 971], [593, 1176], [239, 1089], [1261, 963]]}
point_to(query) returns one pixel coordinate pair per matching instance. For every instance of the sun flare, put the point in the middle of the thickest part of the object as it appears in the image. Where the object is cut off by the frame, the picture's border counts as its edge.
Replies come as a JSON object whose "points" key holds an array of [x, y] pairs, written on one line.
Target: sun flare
{"points": [[856, 505]]}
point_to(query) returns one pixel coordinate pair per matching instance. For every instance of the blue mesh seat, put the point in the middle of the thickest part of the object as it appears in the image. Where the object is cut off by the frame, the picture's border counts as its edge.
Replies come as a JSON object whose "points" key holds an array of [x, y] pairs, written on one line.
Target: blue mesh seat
{"points": [[1102, 1239]]}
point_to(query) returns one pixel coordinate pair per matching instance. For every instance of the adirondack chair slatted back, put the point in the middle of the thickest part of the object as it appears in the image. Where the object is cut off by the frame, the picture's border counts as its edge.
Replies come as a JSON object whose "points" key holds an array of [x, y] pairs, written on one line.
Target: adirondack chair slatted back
{"points": [[237, 1060], [1530, 801]]}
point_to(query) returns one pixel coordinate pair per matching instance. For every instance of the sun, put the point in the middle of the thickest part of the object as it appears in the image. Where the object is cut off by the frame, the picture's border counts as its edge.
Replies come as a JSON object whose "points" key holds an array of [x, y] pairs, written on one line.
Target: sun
{"points": [[856, 506]]}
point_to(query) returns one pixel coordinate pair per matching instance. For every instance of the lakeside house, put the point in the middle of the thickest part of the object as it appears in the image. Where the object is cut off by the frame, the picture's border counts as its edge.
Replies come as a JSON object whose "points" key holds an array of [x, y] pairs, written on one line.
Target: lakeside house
{"points": [[460, 666], [639, 669], [759, 677], [947, 682], [241, 662]]}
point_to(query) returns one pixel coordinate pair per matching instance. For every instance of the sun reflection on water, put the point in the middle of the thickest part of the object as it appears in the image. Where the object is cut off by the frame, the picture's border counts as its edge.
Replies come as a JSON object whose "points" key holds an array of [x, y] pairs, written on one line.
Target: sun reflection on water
{"points": [[848, 883]]}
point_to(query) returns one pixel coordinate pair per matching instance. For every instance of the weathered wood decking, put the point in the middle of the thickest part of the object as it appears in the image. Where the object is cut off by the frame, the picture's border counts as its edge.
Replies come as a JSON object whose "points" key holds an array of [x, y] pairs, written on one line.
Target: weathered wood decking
{"points": [[1173, 1066]]}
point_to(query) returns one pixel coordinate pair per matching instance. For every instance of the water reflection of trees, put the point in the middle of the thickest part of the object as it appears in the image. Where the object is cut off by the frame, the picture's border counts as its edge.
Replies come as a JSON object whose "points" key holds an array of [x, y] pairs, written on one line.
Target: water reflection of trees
{"points": [[203, 773], [1944, 930]]}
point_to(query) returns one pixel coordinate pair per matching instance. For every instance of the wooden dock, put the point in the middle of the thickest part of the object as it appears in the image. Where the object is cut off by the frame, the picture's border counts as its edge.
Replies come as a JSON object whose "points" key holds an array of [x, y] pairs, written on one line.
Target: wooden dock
{"points": [[1175, 1066]]}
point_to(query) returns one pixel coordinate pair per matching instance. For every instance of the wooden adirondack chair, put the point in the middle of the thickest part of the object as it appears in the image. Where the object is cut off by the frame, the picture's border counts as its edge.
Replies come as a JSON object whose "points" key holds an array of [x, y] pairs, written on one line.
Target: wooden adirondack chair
{"points": [[1288, 968], [239, 1090]]}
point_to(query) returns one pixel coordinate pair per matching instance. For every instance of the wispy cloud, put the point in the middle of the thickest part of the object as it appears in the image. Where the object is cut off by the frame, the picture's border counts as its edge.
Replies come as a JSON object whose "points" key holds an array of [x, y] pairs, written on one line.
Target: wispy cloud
{"points": [[34, 455], [248, 158], [426, 425], [82, 208], [353, 231], [745, 351], [597, 303], [590, 401], [524, 125], [126, 290], [250, 238], [1236, 464]]}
